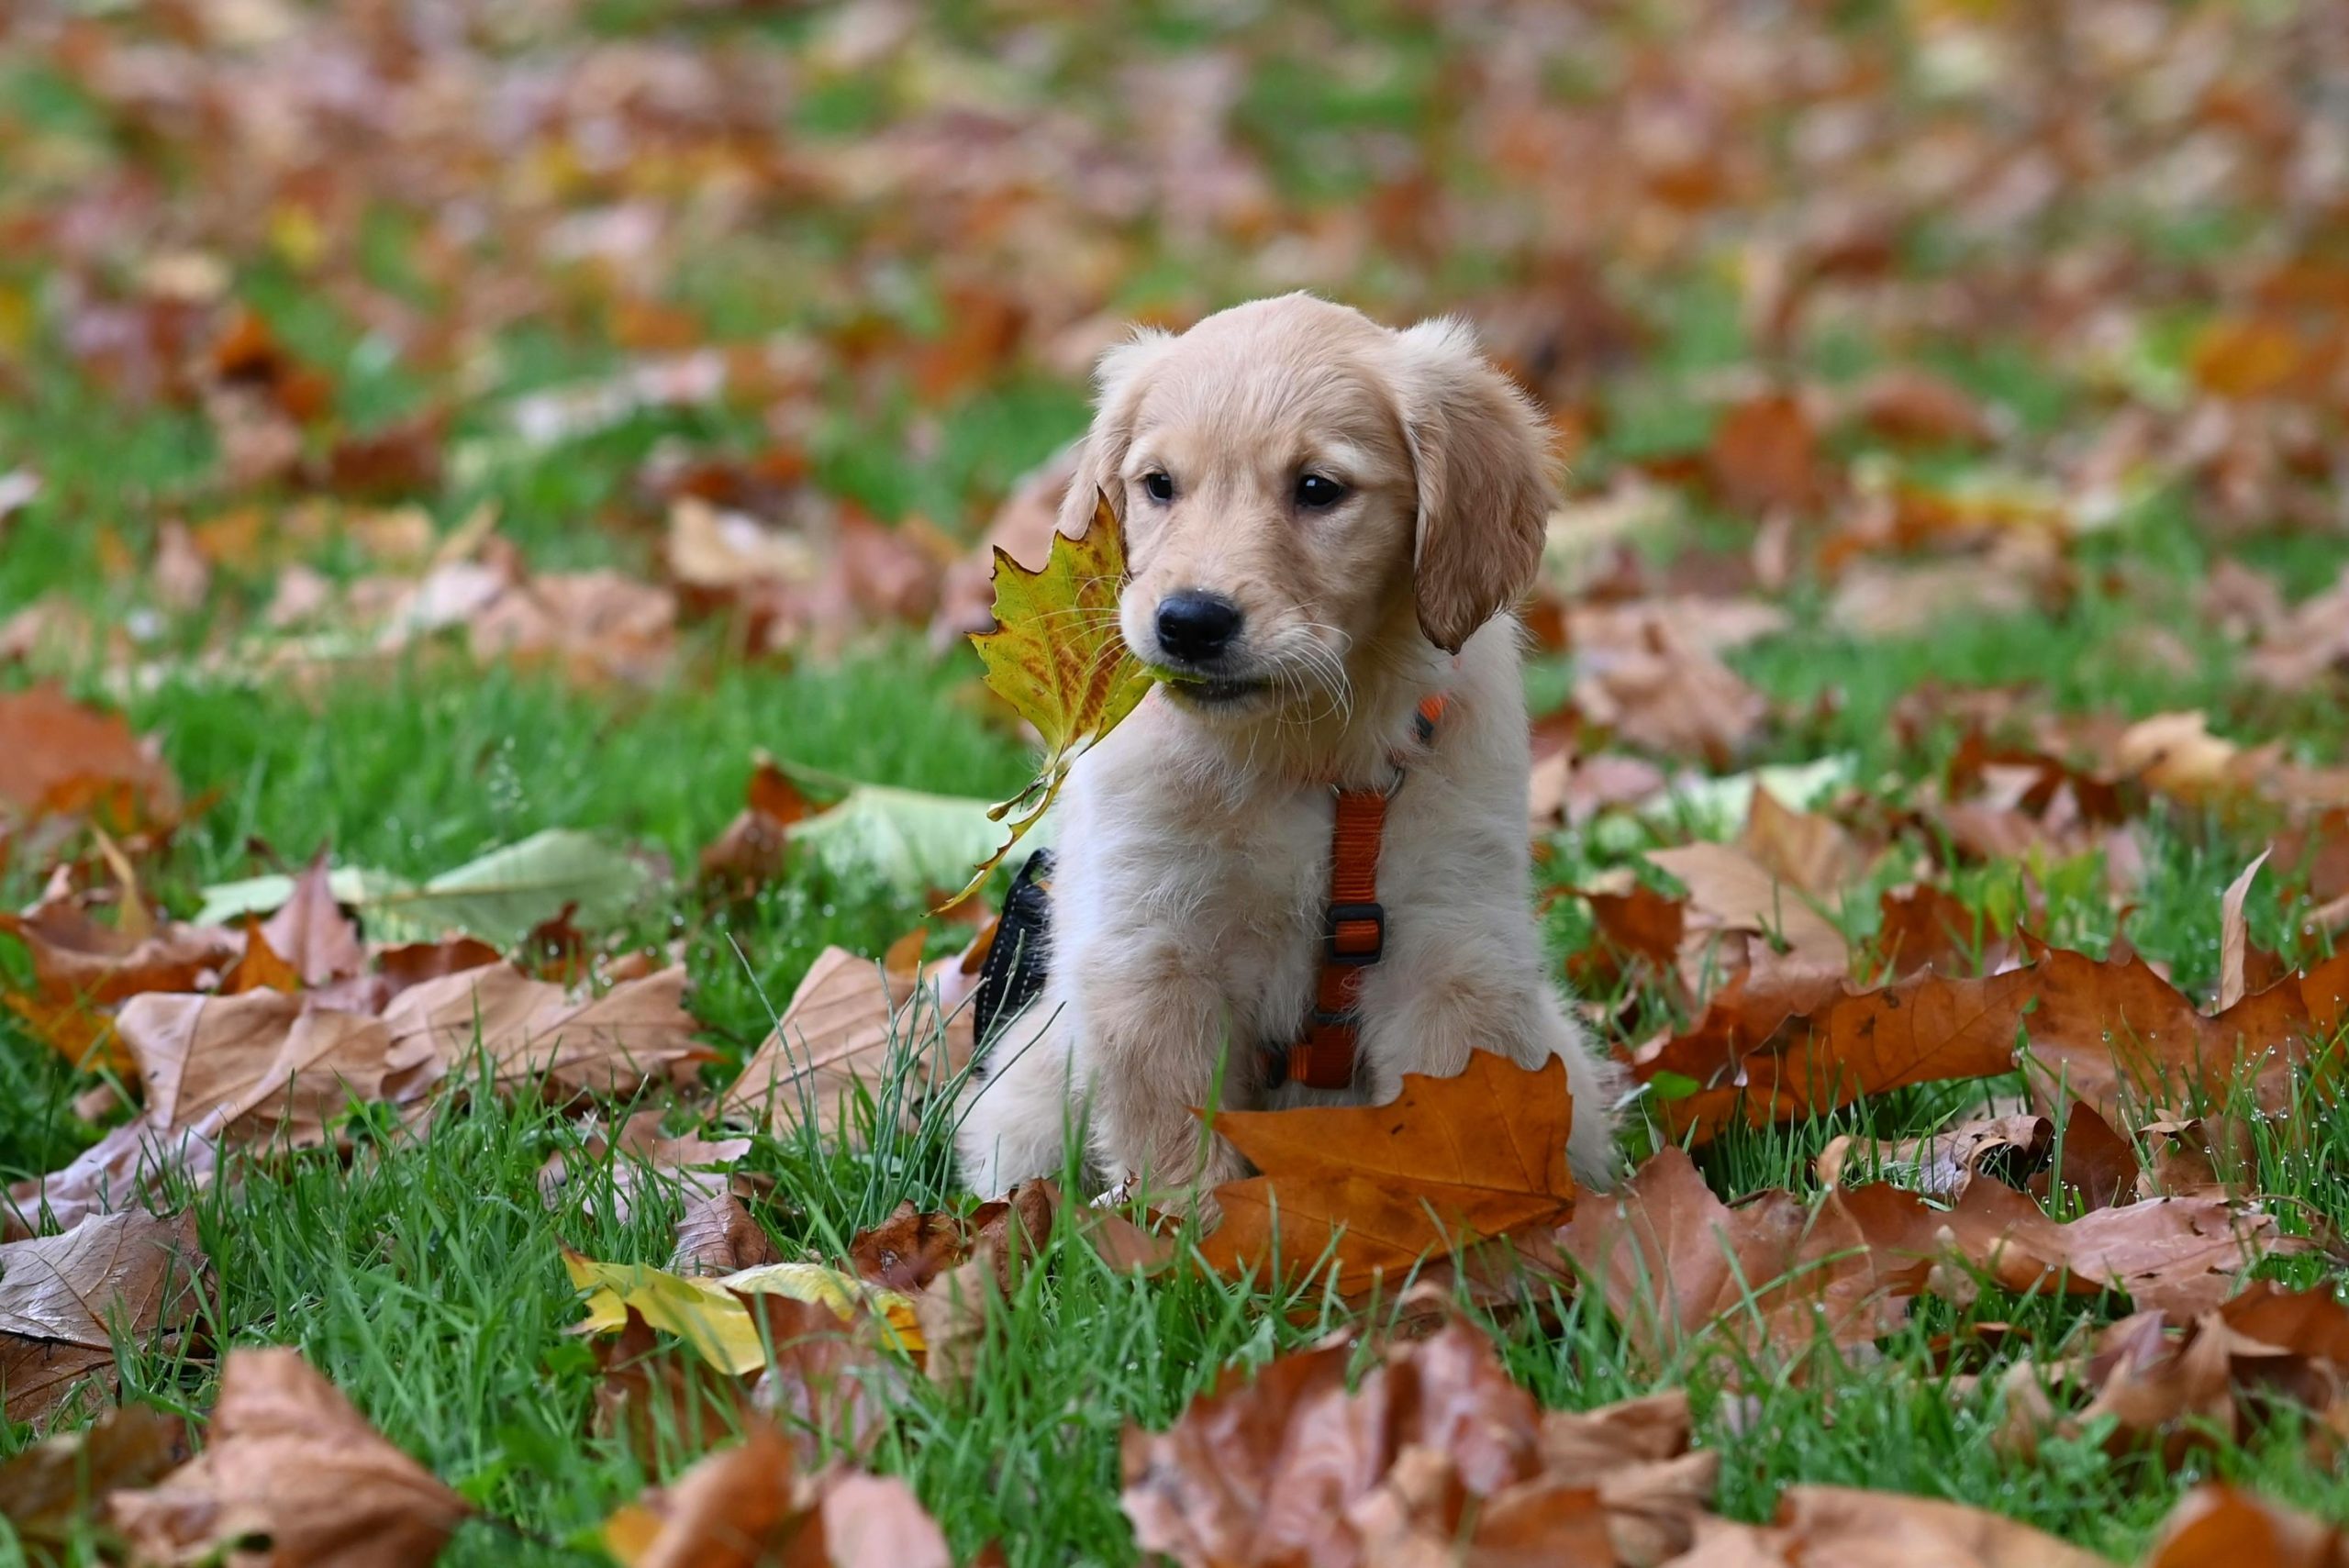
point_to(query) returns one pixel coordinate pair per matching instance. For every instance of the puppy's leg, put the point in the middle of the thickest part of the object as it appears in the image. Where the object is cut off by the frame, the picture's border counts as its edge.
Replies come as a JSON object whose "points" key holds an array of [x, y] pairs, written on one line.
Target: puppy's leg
{"points": [[1596, 1081], [1153, 1043], [1014, 1123], [1439, 1018]]}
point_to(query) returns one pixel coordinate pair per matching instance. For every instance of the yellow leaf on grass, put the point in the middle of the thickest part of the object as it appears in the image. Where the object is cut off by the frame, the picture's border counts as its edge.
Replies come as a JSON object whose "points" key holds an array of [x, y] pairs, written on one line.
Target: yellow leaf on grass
{"points": [[705, 1314], [1056, 655]]}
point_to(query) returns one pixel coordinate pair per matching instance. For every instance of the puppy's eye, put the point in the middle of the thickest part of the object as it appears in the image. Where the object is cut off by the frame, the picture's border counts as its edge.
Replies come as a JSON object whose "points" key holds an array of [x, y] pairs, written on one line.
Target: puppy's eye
{"points": [[1158, 485], [1315, 492]]}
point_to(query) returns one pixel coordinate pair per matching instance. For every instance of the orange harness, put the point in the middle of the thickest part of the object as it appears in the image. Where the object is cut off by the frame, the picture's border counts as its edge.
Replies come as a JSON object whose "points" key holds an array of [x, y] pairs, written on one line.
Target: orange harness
{"points": [[1353, 932]]}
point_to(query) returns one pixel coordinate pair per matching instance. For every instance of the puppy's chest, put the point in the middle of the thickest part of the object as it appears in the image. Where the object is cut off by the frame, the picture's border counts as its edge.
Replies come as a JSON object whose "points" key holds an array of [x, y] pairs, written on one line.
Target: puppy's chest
{"points": [[1237, 899]]}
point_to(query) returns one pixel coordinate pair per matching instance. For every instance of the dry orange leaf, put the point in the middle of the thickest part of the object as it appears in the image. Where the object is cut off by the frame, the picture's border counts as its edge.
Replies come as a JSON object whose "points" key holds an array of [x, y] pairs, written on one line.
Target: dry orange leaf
{"points": [[2119, 1037], [59, 756], [2266, 1354], [1669, 694], [45, 1489], [2182, 1255], [1448, 1162], [1923, 927], [1758, 1056], [751, 852], [82, 971], [1843, 1524], [1764, 456], [2247, 357], [2217, 1525], [261, 968]]}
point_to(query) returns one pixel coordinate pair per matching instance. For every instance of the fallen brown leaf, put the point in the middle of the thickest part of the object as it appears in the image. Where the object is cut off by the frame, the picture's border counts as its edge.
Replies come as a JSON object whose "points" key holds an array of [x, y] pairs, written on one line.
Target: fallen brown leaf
{"points": [[2178, 1255], [261, 968], [1908, 403], [911, 1248], [2184, 1388], [1435, 1452], [179, 576], [265, 1067], [1923, 927], [1674, 1261], [289, 1463], [414, 964], [954, 1266], [2008, 1149], [2242, 967], [1731, 893], [660, 1396], [57, 756], [2121, 1039], [1842, 1524], [744, 1506], [311, 932], [749, 852], [83, 970], [63, 1298], [828, 1378], [51, 1488], [717, 1235], [1801, 849], [537, 1037], [124, 1168], [1764, 456], [1640, 933], [1669, 695], [845, 1030], [593, 627], [1447, 1162], [1882, 600]]}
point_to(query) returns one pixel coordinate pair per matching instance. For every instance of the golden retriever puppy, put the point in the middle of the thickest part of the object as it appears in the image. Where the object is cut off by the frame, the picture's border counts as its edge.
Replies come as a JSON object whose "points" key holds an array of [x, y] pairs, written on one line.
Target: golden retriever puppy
{"points": [[1328, 523]]}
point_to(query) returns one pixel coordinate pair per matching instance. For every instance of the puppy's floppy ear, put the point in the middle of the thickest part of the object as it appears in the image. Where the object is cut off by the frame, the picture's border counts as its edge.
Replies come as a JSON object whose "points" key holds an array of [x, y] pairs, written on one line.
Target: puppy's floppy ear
{"points": [[1481, 453], [1119, 382]]}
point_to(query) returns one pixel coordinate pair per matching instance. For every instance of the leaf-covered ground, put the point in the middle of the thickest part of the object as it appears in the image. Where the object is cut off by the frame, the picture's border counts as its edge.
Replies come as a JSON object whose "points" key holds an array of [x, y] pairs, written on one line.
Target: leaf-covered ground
{"points": [[459, 437]]}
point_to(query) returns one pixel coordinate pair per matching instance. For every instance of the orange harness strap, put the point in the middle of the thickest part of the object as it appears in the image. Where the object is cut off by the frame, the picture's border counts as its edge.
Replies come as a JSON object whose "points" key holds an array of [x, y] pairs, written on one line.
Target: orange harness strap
{"points": [[1353, 932]]}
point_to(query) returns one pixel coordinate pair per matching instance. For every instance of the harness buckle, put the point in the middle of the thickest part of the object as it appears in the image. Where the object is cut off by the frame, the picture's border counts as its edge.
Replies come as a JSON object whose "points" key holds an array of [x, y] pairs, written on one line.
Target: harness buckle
{"points": [[1337, 944]]}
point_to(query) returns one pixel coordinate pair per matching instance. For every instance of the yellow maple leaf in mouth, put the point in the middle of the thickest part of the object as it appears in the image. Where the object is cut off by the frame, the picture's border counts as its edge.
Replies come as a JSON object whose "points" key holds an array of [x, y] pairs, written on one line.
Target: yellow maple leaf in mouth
{"points": [[1057, 656]]}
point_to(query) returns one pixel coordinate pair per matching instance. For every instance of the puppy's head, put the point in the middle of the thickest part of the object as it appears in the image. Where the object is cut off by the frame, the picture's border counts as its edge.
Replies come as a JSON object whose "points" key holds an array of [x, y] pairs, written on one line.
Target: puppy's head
{"points": [[1301, 489]]}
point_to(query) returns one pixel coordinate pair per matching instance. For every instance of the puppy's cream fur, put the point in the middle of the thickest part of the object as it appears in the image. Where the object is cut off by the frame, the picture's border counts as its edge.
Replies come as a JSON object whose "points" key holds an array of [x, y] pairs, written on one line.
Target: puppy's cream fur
{"points": [[1192, 868]]}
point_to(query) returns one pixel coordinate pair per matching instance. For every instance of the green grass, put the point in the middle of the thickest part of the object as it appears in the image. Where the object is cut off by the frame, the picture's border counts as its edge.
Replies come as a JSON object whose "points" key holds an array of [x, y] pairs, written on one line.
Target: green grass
{"points": [[424, 1277]]}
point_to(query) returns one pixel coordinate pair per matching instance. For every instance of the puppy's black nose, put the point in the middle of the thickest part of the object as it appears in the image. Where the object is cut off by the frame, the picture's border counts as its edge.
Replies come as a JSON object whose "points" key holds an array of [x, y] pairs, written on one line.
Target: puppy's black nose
{"points": [[1195, 626]]}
